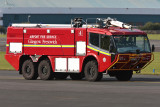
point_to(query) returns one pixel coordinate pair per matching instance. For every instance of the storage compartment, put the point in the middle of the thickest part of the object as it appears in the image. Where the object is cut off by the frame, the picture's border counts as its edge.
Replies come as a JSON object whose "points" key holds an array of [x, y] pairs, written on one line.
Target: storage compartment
{"points": [[73, 64], [60, 64]]}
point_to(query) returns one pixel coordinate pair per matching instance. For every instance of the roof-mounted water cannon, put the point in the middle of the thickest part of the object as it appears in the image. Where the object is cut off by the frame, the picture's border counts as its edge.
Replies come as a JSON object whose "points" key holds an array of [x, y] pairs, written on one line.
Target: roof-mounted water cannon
{"points": [[113, 22], [77, 22]]}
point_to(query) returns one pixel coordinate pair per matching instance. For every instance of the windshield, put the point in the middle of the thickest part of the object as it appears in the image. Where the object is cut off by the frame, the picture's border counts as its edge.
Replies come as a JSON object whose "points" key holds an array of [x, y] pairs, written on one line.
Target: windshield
{"points": [[131, 43]]}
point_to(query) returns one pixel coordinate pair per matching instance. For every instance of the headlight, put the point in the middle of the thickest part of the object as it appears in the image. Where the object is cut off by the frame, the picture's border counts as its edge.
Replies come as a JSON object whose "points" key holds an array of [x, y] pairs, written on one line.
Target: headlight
{"points": [[147, 58]]}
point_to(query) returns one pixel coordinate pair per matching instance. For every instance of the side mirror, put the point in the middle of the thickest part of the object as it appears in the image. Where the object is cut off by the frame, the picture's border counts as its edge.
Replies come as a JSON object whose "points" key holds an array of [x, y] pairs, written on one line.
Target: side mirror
{"points": [[153, 48]]}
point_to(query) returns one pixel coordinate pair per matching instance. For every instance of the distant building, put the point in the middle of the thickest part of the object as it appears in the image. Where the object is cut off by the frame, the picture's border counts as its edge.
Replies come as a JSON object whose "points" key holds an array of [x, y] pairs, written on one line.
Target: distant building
{"points": [[135, 12]]}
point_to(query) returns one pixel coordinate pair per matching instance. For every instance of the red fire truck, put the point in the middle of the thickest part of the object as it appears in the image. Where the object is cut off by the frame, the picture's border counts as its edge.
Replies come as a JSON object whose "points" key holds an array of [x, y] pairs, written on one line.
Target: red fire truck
{"points": [[80, 49]]}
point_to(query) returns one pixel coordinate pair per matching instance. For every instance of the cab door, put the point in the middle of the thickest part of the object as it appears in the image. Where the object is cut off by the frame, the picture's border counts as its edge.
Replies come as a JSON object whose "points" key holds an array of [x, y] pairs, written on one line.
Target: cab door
{"points": [[105, 55], [99, 45]]}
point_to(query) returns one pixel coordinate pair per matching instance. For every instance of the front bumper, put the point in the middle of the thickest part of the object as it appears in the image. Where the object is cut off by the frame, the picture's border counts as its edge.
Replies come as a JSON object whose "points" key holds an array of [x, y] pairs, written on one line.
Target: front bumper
{"points": [[133, 62]]}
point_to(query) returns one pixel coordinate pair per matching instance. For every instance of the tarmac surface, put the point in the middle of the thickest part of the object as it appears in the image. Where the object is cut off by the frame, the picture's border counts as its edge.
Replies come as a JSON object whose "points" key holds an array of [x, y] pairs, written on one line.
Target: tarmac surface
{"points": [[141, 91]]}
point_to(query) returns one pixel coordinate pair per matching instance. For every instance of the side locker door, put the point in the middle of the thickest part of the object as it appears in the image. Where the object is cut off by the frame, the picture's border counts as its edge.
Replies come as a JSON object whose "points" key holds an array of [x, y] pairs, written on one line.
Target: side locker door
{"points": [[80, 42]]}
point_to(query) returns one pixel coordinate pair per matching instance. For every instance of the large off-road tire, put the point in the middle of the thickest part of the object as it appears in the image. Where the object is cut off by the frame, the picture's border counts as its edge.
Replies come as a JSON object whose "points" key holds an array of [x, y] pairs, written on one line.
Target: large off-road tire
{"points": [[91, 71], [44, 70], [29, 70], [77, 76], [124, 75], [60, 76]]}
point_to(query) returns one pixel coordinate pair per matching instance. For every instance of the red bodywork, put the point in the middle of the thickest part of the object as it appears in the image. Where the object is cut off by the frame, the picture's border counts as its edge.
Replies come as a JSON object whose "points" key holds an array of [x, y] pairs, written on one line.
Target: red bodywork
{"points": [[61, 43]]}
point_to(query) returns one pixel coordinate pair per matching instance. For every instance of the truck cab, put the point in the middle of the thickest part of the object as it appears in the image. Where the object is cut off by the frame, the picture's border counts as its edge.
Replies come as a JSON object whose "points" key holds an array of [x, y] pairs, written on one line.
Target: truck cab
{"points": [[120, 50]]}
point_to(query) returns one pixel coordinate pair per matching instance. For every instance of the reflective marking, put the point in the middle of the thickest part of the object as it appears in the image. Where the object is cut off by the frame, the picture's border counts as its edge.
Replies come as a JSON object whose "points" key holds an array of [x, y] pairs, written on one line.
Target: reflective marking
{"points": [[68, 46], [56, 46], [98, 51]]}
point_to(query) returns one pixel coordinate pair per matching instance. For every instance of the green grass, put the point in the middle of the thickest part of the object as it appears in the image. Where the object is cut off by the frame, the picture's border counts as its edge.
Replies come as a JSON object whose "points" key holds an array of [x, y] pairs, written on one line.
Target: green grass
{"points": [[2, 35], [154, 36], [4, 65], [154, 65]]}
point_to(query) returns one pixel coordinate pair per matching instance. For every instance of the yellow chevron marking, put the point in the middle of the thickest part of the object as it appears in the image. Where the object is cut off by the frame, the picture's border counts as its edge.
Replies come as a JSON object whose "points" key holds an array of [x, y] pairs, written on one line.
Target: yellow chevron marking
{"points": [[98, 51]]}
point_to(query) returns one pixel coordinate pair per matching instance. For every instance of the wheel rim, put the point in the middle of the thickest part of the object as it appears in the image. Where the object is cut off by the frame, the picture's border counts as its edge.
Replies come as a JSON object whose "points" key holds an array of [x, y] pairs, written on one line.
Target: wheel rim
{"points": [[91, 72], [44, 70], [28, 70]]}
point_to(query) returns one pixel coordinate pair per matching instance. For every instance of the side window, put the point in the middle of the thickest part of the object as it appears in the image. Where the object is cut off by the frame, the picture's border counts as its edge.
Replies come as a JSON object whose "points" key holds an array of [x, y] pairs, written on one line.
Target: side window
{"points": [[94, 39], [105, 42]]}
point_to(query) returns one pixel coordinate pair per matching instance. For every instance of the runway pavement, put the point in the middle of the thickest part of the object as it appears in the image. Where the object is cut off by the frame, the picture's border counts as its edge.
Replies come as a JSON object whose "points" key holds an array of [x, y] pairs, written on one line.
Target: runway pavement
{"points": [[141, 91]]}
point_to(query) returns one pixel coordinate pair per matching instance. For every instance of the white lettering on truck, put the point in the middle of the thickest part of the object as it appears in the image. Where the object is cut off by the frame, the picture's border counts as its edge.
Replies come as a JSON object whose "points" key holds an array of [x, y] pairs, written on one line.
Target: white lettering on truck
{"points": [[30, 41], [43, 39], [49, 42]]}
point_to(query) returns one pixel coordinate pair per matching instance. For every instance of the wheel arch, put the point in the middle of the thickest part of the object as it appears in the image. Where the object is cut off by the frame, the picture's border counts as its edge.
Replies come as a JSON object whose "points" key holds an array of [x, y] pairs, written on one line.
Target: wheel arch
{"points": [[88, 58], [43, 57]]}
